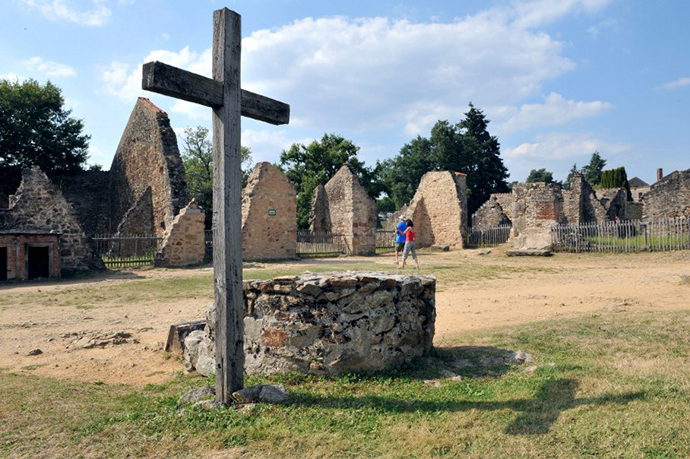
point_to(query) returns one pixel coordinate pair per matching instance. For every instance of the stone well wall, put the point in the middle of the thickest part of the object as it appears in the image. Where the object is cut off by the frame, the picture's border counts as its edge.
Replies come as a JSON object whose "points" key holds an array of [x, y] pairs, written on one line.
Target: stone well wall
{"points": [[328, 324]]}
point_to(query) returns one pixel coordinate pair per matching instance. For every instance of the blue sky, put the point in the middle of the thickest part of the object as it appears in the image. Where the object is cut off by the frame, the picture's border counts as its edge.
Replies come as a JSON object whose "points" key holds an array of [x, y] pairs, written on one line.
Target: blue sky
{"points": [[558, 79]]}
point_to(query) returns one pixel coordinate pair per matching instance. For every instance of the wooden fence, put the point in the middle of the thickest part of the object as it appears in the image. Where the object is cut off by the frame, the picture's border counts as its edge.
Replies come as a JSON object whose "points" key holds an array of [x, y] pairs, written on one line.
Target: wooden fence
{"points": [[319, 244], [126, 251], [623, 236], [385, 241], [487, 237]]}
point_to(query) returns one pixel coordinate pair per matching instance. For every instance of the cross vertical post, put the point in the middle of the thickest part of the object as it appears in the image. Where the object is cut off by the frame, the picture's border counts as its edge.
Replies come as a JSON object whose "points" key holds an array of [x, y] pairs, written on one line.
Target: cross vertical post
{"points": [[230, 102], [227, 206]]}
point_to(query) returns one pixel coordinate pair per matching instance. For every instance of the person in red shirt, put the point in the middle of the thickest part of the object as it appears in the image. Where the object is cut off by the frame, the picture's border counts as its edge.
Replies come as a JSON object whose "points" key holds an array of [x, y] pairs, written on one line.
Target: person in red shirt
{"points": [[409, 244]]}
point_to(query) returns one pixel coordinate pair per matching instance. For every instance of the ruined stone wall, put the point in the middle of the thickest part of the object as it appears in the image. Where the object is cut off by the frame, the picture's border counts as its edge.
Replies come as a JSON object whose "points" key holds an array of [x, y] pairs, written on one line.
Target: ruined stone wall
{"points": [[148, 157], [352, 212], [439, 209], [328, 324], [505, 200], [138, 220], [39, 205], [491, 213], [634, 210], [612, 203], [16, 245], [89, 193], [269, 215], [319, 217], [669, 197], [183, 243], [537, 208]]}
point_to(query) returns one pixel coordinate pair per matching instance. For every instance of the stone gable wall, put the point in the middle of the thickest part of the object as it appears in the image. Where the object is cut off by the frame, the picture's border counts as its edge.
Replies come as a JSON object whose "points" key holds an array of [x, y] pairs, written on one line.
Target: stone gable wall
{"points": [[148, 156], [89, 193], [39, 205], [327, 324], [139, 218], [269, 215], [669, 197], [352, 212], [183, 243], [319, 217], [439, 209]]}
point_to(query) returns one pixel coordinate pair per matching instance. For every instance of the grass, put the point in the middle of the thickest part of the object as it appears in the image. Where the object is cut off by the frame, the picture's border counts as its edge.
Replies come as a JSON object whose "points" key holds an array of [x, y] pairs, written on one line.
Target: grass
{"points": [[618, 387], [86, 297]]}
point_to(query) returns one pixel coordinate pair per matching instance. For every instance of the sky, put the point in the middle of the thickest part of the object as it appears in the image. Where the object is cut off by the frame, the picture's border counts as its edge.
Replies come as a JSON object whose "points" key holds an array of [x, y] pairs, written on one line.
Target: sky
{"points": [[558, 79]]}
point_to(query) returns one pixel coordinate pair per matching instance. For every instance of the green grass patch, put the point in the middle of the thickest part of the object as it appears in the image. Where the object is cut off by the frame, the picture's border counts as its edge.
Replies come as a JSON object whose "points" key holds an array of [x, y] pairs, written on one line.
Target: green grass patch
{"points": [[617, 387]]}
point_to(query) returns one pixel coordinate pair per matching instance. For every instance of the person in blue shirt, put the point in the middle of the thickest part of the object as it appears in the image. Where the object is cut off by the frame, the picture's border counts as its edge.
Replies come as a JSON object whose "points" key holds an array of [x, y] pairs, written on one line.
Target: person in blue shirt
{"points": [[400, 238]]}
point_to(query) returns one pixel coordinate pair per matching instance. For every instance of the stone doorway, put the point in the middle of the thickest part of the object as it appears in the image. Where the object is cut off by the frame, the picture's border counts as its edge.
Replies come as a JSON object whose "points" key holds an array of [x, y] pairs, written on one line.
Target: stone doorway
{"points": [[38, 262], [3, 263]]}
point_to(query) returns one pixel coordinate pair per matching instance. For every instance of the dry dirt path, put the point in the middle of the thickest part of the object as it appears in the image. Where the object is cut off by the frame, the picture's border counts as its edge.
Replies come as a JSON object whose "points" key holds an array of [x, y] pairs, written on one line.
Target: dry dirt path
{"points": [[474, 292]]}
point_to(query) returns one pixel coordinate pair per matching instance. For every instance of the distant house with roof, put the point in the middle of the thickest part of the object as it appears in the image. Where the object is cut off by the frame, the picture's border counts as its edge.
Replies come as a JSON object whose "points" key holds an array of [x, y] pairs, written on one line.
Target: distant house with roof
{"points": [[638, 188]]}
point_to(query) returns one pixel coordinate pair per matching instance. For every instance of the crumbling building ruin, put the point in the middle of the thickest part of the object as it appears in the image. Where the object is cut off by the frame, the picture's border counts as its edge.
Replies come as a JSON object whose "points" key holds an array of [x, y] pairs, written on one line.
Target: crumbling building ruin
{"points": [[439, 209], [269, 215], [40, 233], [669, 197], [343, 207]]}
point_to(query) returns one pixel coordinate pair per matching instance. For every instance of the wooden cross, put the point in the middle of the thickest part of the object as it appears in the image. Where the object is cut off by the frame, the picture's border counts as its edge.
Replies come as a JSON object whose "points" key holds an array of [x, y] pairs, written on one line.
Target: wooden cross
{"points": [[223, 93]]}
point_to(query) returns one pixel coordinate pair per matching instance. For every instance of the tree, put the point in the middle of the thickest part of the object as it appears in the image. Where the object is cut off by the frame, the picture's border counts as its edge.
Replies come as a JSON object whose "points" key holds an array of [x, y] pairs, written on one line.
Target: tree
{"points": [[308, 166], [539, 175], [464, 147], [592, 171], [36, 130], [198, 163], [573, 170], [616, 178]]}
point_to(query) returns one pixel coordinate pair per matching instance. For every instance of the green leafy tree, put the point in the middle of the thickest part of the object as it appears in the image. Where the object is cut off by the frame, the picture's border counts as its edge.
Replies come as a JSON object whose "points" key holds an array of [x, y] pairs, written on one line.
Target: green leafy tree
{"points": [[36, 130], [539, 175], [592, 171], [616, 178], [573, 170], [198, 163], [307, 166], [466, 147]]}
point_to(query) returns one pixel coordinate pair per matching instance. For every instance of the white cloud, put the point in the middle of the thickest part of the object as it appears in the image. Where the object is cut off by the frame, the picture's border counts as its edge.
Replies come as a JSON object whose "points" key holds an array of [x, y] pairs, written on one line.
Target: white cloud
{"points": [[124, 80], [49, 68], [555, 110], [339, 73], [596, 29], [367, 73], [9, 77], [685, 81], [536, 13], [63, 10], [561, 146], [267, 145]]}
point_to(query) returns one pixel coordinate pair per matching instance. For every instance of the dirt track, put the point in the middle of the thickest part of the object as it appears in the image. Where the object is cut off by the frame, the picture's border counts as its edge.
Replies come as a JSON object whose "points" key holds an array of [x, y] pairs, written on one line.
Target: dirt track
{"points": [[533, 289]]}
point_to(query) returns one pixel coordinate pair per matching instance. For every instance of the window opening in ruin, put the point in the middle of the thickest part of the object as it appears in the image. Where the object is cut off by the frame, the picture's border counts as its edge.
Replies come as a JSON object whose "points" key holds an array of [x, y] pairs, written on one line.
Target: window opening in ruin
{"points": [[3, 263], [38, 262]]}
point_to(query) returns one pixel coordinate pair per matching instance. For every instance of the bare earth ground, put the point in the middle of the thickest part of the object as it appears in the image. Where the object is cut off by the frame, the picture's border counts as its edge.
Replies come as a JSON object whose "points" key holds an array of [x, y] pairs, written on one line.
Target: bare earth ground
{"points": [[516, 290]]}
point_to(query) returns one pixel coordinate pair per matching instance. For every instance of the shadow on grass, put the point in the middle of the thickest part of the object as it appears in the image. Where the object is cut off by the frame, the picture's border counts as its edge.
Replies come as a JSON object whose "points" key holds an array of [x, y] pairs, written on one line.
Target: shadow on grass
{"points": [[536, 416]]}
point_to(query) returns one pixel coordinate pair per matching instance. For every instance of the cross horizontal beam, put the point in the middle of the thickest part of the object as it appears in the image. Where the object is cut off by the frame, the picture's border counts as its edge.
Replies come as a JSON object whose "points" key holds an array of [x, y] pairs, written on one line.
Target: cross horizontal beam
{"points": [[181, 84]]}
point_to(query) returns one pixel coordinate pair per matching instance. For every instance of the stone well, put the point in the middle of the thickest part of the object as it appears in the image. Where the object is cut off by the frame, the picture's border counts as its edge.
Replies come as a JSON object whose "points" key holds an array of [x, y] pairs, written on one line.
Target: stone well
{"points": [[327, 324]]}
